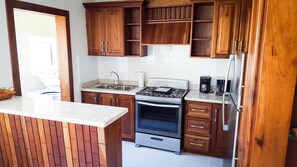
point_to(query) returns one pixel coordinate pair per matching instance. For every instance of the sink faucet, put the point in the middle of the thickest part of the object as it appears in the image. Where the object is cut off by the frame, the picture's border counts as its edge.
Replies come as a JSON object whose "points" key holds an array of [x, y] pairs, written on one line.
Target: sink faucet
{"points": [[118, 81]]}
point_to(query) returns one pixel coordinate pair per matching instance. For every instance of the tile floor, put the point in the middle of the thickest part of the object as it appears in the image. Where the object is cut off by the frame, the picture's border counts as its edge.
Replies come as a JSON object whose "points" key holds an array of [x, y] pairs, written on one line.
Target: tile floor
{"points": [[148, 157]]}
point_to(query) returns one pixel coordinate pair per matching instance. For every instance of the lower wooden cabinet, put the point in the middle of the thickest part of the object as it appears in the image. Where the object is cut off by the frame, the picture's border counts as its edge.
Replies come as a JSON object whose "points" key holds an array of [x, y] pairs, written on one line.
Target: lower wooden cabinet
{"points": [[127, 101], [203, 129], [89, 97]]}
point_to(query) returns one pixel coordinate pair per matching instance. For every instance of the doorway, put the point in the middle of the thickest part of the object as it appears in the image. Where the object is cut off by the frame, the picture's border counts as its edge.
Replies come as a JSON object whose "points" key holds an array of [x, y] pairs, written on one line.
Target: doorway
{"points": [[47, 52]]}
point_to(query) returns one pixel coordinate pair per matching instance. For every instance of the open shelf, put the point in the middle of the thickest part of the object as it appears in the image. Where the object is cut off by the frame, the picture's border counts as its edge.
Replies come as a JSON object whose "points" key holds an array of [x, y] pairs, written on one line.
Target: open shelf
{"points": [[132, 24], [164, 14], [201, 39], [201, 48], [202, 29], [133, 40], [132, 32], [203, 21]]}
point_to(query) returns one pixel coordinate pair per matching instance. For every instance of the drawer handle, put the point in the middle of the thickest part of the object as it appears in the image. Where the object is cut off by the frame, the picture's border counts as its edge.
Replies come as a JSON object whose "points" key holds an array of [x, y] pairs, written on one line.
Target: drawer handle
{"points": [[158, 139], [199, 126], [195, 144], [198, 110]]}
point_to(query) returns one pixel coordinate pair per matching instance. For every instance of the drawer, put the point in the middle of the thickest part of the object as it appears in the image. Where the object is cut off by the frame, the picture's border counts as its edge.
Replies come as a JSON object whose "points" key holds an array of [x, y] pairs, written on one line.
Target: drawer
{"points": [[196, 143], [199, 110], [197, 126]]}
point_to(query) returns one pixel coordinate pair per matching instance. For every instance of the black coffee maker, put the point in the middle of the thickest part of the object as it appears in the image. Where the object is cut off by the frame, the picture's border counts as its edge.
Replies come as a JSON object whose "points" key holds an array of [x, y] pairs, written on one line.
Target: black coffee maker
{"points": [[205, 84], [220, 87]]}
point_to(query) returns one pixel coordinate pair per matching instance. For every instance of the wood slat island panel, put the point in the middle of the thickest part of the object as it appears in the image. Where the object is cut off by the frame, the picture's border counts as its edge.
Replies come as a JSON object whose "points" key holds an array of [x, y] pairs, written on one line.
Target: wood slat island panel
{"points": [[26, 141]]}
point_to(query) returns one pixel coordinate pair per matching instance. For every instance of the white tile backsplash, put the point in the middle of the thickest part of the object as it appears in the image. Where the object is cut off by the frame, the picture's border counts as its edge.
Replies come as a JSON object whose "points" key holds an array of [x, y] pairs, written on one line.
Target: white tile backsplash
{"points": [[164, 62]]}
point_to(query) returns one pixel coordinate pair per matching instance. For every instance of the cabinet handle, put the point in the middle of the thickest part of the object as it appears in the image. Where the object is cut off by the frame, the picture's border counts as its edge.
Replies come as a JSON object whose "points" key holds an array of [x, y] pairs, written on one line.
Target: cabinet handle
{"points": [[216, 114], [95, 100], [106, 46], [235, 45], [198, 110], [195, 144], [199, 126], [240, 45], [102, 46]]}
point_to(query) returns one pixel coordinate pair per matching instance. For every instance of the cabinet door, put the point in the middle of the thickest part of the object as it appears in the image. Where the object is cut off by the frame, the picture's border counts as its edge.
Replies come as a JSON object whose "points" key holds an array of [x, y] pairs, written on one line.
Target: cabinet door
{"points": [[107, 99], [128, 120], [245, 25], [115, 32], [96, 31], [226, 25], [89, 97], [218, 135]]}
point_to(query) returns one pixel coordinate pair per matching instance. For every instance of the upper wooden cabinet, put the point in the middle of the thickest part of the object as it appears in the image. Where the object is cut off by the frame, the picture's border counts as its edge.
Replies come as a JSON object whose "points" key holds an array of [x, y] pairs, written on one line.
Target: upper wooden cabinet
{"points": [[114, 28], [220, 27], [105, 28], [226, 28]]}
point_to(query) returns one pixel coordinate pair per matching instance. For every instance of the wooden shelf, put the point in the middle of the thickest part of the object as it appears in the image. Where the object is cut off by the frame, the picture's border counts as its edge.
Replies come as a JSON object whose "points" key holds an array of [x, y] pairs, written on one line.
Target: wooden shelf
{"points": [[200, 56], [133, 40], [132, 24], [203, 21], [202, 39]]}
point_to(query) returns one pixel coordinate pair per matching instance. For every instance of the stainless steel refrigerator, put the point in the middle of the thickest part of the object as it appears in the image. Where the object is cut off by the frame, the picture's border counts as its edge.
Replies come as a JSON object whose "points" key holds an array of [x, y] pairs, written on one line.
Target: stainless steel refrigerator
{"points": [[231, 107]]}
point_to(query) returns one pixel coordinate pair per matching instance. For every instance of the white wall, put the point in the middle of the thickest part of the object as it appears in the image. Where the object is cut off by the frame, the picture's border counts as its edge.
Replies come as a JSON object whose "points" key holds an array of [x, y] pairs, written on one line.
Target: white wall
{"points": [[5, 66], [165, 62], [88, 65]]}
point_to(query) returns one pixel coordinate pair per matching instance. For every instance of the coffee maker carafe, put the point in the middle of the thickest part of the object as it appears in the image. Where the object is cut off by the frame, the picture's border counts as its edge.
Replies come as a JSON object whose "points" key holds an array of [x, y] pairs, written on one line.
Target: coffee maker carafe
{"points": [[205, 84]]}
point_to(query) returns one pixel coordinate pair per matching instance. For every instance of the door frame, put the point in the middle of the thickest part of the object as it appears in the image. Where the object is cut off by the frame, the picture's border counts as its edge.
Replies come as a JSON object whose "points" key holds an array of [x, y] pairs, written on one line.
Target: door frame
{"points": [[67, 91]]}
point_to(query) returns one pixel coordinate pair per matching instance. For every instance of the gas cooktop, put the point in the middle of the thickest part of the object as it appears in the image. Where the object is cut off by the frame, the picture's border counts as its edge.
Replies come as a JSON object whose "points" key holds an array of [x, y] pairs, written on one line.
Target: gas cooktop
{"points": [[164, 91]]}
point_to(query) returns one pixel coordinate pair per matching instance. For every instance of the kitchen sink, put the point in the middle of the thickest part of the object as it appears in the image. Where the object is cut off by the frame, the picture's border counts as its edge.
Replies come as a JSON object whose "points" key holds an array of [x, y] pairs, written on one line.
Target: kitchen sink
{"points": [[106, 86], [124, 87], [115, 87]]}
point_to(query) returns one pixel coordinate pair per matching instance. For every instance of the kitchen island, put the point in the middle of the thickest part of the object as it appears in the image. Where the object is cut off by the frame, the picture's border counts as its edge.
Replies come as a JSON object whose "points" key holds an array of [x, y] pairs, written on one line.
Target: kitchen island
{"points": [[40, 132]]}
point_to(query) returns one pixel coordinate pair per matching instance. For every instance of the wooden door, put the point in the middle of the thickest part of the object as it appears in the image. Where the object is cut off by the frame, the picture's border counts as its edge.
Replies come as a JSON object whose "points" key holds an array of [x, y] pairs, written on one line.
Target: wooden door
{"points": [[128, 120], [245, 25], [89, 97], [107, 99], [115, 32], [218, 135], [96, 31], [226, 25]]}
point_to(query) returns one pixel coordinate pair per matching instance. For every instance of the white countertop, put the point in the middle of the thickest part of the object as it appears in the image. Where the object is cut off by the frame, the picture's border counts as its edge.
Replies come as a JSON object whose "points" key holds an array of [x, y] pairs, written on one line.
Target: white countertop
{"points": [[78, 113], [123, 92], [195, 95]]}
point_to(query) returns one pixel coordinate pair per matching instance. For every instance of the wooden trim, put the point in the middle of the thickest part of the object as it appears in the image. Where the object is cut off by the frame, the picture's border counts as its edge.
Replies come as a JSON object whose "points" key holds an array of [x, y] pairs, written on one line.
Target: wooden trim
{"points": [[13, 4], [30, 141], [267, 108], [135, 3]]}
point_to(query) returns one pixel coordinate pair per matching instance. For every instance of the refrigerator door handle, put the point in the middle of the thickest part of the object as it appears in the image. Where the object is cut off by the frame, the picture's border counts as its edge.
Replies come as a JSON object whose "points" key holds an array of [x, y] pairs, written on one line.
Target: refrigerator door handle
{"points": [[226, 126], [239, 107]]}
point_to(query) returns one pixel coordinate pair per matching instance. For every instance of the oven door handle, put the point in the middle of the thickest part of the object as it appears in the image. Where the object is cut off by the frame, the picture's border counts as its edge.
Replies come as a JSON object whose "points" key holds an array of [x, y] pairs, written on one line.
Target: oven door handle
{"points": [[159, 105]]}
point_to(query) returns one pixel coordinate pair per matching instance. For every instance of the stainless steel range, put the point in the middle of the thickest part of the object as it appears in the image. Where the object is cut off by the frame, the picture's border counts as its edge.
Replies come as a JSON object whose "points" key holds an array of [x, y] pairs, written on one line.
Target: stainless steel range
{"points": [[159, 113]]}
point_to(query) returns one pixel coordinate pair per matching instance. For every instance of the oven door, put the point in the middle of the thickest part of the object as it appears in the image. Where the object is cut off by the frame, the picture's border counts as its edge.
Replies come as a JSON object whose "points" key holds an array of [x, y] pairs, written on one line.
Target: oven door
{"points": [[158, 118]]}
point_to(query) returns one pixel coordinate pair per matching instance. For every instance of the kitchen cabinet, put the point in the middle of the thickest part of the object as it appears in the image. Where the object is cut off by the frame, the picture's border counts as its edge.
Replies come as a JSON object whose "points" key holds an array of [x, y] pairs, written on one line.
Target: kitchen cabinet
{"points": [[203, 129], [220, 27], [114, 28], [105, 27], [219, 136], [226, 28], [118, 100], [89, 97]]}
